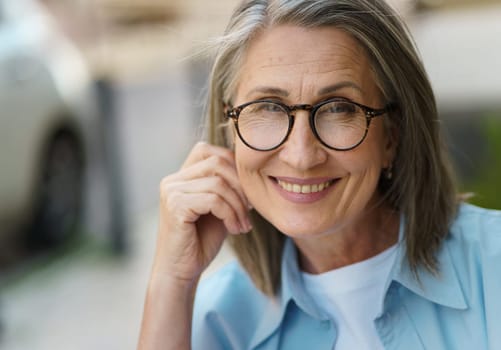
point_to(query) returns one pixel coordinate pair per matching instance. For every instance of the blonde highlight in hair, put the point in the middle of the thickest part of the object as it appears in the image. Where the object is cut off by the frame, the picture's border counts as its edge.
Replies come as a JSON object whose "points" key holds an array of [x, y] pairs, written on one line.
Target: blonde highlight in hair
{"points": [[422, 187]]}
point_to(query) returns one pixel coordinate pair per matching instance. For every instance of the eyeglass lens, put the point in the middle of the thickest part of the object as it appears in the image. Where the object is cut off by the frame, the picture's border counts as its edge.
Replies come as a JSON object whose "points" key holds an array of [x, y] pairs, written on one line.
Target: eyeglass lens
{"points": [[338, 124]]}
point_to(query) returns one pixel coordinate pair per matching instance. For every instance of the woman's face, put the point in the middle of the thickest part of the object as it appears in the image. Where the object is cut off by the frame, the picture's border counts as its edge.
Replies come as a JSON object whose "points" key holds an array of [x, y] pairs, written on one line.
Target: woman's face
{"points": [[297, 65]]}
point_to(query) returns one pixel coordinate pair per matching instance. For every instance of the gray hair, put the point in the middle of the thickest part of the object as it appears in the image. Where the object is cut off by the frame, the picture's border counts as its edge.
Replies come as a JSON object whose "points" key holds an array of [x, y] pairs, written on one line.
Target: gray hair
{"points": [[422, 187]]}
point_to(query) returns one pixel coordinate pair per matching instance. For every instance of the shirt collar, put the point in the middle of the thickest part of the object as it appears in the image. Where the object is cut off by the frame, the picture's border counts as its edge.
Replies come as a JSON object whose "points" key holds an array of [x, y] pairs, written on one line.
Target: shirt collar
{"points": [[292, 287], [442, 288], [292, 291]]}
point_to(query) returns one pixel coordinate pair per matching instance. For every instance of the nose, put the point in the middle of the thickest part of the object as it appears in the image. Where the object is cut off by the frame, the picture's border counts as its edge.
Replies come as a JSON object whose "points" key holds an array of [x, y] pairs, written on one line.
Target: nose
{"points": [[302, 150]]}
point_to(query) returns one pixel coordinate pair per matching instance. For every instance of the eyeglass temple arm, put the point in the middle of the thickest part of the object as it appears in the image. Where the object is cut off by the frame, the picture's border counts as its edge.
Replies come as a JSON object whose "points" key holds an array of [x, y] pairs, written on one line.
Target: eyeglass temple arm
{"points": [[229, 111], [371, 113]]}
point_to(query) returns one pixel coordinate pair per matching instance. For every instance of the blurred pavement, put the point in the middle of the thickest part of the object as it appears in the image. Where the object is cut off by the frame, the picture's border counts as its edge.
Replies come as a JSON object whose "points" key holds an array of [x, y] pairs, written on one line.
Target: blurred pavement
{"points": [[85, 300]]}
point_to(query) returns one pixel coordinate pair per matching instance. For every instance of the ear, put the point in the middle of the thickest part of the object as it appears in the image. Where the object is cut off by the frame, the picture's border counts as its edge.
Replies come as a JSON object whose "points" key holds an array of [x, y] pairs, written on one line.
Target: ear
{"points": [[228, 129], [392, 137]]}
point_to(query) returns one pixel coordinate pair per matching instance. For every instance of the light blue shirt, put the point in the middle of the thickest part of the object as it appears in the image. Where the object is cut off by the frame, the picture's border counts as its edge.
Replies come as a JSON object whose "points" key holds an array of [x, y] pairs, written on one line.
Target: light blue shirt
{"points": [[458, 309]]}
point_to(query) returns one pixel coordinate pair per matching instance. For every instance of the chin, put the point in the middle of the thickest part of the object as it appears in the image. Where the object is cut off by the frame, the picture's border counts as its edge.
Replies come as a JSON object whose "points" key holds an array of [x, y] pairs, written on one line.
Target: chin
{"points": [[304, 224], [303, 228]]}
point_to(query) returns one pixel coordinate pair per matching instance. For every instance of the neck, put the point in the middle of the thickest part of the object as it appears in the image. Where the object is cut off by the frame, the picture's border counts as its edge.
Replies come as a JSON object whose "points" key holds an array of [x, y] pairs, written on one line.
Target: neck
{"points": [[361, 239]]}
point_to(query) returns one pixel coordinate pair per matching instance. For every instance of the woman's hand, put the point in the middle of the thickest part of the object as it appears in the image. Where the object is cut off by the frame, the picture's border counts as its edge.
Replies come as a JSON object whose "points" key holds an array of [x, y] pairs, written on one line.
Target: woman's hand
{"points": [[199, 205]]}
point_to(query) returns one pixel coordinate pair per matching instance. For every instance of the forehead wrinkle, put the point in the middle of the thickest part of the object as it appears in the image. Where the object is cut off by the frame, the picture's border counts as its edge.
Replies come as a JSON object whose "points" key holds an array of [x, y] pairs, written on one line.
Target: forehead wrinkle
{"points": [[338, 62], [351, 50], [321, 67], [304, 62], [327, 57], [301, 87]]}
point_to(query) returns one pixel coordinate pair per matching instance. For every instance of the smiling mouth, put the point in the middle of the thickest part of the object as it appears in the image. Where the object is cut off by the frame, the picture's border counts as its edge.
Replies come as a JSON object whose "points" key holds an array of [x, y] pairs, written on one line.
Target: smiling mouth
{"points": [[304, 188]]}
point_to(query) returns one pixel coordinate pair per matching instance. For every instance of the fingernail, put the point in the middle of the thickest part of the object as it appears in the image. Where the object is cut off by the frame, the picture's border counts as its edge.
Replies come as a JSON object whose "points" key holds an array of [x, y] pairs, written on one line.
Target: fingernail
{"points": [[237, 229], [248, 224], [241, 228]]}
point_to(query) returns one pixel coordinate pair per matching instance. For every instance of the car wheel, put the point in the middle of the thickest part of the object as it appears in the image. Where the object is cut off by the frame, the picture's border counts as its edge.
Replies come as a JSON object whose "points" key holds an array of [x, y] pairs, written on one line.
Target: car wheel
{"points": [[60, 192]]}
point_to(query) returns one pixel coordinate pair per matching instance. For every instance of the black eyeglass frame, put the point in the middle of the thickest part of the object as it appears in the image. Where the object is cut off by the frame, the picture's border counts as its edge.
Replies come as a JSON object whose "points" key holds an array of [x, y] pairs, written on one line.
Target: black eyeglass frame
{"points": [[370, 113]]}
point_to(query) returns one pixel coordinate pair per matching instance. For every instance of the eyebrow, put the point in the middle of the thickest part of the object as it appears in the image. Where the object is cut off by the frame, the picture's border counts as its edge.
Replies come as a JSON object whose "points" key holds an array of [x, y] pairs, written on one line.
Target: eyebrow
{"points": [[341, 85], [269, 90], [323, 91]]}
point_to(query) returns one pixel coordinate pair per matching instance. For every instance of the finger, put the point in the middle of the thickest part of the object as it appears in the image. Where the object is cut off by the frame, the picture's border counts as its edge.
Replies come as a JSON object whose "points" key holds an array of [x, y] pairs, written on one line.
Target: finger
{"points": [[203, 150], [217, 185], [195, 205], [212, 166]]}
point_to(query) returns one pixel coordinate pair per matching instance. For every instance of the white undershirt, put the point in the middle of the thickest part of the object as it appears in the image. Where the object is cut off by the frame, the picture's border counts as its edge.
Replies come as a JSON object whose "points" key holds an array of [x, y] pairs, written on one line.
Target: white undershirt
{"points": [[353, 296]]}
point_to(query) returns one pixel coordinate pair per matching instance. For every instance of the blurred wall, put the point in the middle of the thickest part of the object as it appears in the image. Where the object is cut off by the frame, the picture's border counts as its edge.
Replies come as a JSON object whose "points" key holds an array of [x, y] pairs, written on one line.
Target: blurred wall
{"points": [[460, 43]]}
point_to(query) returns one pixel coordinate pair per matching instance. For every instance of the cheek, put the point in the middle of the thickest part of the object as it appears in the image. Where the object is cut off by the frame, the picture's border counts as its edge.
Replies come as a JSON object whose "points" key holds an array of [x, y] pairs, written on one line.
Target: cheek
{"points": [[360, 186], [372, 153], [363, 166], [362, 161], [248, 163]]}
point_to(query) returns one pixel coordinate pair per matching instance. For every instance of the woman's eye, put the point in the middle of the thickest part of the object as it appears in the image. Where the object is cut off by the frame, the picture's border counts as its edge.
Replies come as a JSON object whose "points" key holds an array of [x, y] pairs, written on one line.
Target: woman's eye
{"points": [[263, 107], [270, 107], [341, 108]]}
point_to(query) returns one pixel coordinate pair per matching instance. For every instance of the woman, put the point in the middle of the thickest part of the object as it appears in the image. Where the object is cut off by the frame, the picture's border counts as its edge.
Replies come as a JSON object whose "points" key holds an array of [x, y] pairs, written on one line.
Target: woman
{"points": [[327, 170]]}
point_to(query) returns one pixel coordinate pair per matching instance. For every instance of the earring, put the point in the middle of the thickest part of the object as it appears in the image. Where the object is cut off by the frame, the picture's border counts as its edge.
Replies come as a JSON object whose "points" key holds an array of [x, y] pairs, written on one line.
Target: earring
{"points": [[388, 172]]}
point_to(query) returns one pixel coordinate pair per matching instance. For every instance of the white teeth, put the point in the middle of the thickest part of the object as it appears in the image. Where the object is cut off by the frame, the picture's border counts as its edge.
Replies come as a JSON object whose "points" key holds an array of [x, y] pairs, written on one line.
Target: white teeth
{"points": [[296, 188]]}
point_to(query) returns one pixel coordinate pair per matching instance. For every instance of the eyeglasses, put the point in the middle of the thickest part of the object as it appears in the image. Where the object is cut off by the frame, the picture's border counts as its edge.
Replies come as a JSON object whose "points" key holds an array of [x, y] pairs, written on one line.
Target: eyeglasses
{"points": [[338, 123]]}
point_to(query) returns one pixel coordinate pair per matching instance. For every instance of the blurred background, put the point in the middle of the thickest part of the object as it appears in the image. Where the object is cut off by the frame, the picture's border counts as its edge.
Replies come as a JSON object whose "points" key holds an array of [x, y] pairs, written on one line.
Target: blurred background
{"points": [[99, 99]]}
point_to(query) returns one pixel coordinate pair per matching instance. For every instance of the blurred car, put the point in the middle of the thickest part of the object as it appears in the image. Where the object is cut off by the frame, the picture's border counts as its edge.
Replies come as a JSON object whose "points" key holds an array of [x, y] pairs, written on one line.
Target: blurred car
{"points": [[48, 113]]}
